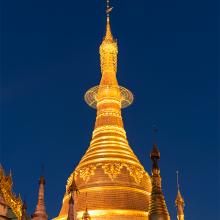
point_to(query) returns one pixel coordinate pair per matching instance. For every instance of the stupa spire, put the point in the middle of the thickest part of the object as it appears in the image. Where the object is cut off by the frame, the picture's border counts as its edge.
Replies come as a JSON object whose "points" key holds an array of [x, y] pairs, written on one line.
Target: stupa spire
{"points": [[71, 204], [179, 201], [40, 211], [157, 209], [108, 33], [109, 170], [109, 141], [86, 215]]}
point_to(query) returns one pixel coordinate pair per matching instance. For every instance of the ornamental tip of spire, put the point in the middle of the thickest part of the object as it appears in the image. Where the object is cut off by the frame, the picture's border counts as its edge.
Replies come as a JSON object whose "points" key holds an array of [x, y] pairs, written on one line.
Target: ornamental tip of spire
{"points": [[179, 198], [86, 215], [155, 153], [42, 180], [73, 187], [108, 34]]}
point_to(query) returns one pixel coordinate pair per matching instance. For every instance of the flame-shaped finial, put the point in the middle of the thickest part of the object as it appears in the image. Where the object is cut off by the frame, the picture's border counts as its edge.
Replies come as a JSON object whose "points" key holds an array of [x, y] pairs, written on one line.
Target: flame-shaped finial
{"points": [[108, 34], [179, 200]]}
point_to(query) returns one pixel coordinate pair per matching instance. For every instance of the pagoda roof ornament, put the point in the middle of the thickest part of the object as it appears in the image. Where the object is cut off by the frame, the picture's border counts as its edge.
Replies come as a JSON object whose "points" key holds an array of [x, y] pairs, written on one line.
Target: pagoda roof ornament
{"points": [[157, 208], [108, 34], [40, 210], [108, 61], [179, 200], [13, 201]]}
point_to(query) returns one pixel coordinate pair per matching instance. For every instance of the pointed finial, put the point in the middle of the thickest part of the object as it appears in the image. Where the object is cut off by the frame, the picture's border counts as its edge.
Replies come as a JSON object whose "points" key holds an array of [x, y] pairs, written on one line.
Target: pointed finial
{"points": [[86, 215], [177, 179], [155, 153], [42, 179], [108, 34], [108, 8], [179, 201], [73, 187], [179, 198]]}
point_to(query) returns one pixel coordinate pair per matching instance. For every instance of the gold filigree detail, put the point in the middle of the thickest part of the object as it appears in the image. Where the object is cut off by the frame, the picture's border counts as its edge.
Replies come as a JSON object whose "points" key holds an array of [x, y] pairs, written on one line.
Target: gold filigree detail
{"points": [[112, 169], [86, 172], [156, 182], [136, 172], [13, 201], [108, 52]]}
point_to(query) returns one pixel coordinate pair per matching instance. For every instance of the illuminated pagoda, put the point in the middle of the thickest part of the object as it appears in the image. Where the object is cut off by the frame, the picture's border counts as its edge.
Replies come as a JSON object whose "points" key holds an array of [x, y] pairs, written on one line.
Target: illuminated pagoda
{"points": [[109, 170], [109, 183], [109, 177]]}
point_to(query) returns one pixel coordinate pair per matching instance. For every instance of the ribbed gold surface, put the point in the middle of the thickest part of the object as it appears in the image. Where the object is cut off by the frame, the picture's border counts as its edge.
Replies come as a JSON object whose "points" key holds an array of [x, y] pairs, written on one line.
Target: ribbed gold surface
{"points": [[158, 208], [110, 178]]}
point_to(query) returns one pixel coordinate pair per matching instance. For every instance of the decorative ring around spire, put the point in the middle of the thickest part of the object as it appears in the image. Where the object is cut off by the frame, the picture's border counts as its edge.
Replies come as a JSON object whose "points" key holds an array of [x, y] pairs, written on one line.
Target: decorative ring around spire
{"points": [[90, 97]]}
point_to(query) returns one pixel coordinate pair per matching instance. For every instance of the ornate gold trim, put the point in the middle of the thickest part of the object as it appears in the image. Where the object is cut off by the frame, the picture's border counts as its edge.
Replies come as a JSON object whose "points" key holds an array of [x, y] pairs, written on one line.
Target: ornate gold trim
{"points": [[13, 201], [112, 169], [86, 172]]}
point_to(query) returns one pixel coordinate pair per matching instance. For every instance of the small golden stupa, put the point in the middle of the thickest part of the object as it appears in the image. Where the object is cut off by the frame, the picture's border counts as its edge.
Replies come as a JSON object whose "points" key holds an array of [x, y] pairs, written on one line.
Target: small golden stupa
{"points": [[116, 184]]}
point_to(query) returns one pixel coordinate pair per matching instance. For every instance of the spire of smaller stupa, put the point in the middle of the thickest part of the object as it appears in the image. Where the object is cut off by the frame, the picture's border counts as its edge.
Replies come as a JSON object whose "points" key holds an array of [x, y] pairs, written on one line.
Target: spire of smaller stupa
{"points": [[158, 209], [71, 204], [72, 189], [86, 215], [179, 201], [40, 211]]}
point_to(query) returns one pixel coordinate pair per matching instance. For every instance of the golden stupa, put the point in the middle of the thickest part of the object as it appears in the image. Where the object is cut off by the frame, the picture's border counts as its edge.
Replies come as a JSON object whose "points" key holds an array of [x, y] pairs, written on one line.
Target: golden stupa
{"points": [[110, 178]]}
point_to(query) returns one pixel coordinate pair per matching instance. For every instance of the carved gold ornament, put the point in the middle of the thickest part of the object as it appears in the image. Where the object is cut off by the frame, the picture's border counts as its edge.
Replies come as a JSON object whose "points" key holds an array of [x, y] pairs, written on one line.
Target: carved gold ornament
{"points": [[136, 172], [112, 169], [86, 172], [13, 201]]}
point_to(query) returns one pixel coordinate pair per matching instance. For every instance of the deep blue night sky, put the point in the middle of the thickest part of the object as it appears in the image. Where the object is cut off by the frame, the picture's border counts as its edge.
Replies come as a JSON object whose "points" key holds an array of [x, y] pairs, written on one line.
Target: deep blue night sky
{"points": [[168, 57]]}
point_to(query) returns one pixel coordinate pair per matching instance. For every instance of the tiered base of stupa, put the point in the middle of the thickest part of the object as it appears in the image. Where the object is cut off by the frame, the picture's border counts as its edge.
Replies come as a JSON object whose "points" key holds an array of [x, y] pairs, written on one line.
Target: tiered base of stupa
{"points": [[119, 193]]}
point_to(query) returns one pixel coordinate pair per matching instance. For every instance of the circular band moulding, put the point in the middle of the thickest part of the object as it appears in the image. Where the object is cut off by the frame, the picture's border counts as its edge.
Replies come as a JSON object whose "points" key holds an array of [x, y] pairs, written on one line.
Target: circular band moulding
{"points": [[90, 97]]}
